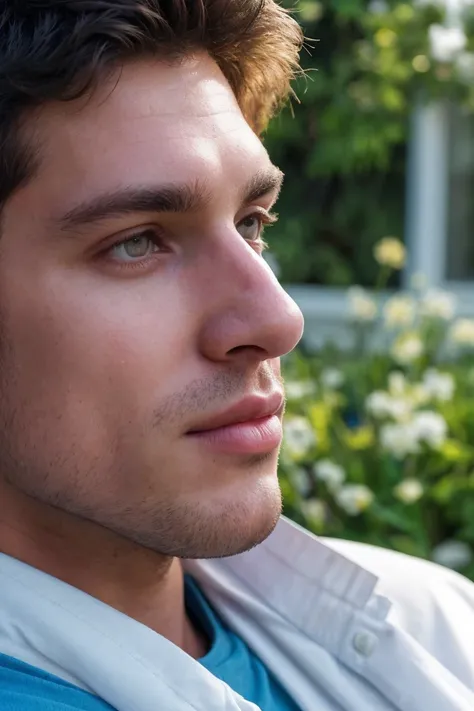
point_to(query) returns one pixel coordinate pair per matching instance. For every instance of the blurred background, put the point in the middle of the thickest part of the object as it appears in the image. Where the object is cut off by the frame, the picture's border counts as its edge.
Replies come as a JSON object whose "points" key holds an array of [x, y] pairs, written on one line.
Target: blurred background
{"points": [[374, 243]]}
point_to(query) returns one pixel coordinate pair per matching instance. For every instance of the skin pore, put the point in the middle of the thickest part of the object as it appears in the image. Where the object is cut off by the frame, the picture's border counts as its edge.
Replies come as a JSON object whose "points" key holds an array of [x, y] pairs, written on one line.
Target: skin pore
{"points": [[134, 306]]}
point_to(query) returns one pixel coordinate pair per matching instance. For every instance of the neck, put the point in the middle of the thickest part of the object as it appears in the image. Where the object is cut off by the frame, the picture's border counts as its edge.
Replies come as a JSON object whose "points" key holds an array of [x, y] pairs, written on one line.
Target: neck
{"points": [[137, 581]]}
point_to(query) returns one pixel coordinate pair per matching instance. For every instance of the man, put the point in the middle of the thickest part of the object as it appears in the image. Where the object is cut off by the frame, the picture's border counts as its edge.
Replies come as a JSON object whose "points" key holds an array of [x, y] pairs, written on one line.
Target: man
{"points": [[141, 397]]}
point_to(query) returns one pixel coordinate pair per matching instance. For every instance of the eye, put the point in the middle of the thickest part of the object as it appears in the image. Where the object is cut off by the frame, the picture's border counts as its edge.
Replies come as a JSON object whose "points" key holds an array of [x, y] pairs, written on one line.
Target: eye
{"points": [[135, 248], [251, 227]]}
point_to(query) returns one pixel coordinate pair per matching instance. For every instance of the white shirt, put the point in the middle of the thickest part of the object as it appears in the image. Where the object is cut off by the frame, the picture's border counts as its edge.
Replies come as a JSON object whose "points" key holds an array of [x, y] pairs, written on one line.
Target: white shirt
{"points": [[344, 627]]}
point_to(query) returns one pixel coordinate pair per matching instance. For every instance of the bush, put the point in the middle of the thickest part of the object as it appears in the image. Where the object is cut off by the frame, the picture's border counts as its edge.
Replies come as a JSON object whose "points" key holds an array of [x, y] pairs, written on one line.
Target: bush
{"points": [[379, 440], [343, 148]]}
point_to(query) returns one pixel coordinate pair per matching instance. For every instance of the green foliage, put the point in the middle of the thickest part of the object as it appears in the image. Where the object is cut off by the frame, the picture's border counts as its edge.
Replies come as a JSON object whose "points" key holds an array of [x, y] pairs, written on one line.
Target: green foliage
{"points": [[379, 440], [343, 147]]}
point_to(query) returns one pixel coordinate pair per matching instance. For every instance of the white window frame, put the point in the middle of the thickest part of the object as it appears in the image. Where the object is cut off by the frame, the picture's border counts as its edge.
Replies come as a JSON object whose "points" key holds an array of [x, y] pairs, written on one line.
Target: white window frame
{"points": [[426, 226], [426, 232], [427, 186]]}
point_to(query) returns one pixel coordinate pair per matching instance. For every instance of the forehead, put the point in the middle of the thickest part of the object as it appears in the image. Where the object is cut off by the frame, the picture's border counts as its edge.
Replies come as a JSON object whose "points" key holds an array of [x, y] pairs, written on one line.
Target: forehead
{"points": [[156, 121]]}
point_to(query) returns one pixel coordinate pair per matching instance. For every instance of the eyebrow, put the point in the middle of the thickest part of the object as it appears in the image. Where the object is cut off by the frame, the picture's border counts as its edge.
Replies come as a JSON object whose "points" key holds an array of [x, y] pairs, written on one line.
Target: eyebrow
{"points": [[173, 198]]}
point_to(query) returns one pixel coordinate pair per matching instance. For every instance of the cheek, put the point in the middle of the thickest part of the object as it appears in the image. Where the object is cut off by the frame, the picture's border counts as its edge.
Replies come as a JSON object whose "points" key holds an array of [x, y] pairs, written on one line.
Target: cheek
{"points": [[80, 340]]}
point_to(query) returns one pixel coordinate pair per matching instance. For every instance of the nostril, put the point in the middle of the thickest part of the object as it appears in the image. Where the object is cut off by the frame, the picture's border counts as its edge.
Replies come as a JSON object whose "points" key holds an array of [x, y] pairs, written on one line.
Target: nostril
{"points": [[256, 350]]}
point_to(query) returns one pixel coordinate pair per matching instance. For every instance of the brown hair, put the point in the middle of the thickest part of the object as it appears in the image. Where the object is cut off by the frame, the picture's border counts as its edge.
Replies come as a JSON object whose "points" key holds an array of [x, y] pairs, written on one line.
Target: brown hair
{"points": [[60, 49]]}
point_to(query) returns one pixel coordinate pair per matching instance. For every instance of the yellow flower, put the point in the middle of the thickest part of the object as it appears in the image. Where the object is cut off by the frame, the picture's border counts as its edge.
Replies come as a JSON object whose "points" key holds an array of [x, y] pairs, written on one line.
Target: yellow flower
{"points": [[320, 416], [421, 63], [385, 37], [360, 438], [454, 451], [462, 332], [390, 252]]}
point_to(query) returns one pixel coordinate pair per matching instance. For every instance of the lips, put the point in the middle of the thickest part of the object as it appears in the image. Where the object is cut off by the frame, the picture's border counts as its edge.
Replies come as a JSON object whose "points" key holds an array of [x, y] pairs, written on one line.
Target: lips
{"points": [[250, 409]]}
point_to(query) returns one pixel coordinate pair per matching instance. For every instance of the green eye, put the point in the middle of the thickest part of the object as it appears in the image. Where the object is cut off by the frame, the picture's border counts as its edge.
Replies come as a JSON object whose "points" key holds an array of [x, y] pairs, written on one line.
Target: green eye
{"points": [[251, 227], [135, 248]]}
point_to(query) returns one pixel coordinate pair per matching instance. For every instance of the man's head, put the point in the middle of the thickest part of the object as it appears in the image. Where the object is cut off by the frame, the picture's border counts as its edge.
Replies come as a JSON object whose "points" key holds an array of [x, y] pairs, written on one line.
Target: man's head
{"points": [[136, 309]]}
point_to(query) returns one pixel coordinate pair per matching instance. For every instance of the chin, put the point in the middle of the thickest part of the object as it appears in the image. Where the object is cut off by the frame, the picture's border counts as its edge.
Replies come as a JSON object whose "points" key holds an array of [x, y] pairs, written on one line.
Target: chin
{"points": [[215, 522], [229, 509], [237, 524]]}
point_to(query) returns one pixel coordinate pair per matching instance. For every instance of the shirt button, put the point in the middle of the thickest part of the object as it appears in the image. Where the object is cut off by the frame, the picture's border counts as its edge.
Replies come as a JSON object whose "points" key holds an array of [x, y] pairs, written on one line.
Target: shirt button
{"points": [[364, 643]]}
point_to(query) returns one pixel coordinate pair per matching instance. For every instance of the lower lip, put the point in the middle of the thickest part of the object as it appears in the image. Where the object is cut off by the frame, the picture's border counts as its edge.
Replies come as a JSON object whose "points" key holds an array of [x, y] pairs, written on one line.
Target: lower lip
{"points": [[255, 437]]}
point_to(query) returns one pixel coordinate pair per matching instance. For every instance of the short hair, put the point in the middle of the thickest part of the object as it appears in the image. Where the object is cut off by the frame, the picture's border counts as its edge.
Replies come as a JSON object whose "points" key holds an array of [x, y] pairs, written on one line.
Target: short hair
{"points": [[59, 50]]}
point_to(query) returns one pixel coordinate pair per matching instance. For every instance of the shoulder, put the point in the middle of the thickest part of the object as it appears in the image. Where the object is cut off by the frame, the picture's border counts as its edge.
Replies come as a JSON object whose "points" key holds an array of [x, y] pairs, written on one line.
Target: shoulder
{"points": [[431, 603]]}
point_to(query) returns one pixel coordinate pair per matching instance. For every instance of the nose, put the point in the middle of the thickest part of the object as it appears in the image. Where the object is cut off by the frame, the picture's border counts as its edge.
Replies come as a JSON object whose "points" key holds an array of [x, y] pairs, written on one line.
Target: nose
{"points": [[249, 316]]}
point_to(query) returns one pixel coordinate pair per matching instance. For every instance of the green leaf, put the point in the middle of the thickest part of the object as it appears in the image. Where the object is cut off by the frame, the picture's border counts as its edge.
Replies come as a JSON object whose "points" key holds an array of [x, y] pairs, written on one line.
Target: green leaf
{"points": [[392, 517]]}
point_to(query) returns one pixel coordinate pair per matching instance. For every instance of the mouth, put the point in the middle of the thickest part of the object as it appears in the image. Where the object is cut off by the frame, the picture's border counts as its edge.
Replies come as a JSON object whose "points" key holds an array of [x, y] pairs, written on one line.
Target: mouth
{"points": [[252, 426]]}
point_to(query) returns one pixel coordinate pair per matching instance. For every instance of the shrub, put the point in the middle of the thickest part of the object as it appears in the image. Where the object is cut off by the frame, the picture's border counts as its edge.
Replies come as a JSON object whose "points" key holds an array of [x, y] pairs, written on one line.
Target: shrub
{"points": [[379, 440], [344, 147]]}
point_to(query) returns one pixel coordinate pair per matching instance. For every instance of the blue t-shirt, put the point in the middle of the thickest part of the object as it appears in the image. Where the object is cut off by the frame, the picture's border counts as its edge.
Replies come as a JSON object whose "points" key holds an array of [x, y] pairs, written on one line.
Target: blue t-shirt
{"points": [[26, 688], [231, 660]]}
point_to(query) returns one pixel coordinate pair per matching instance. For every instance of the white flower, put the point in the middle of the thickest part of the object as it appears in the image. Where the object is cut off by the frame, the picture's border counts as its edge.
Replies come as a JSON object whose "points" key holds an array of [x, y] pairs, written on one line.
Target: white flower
{"points": [[400, 409], [400, 439], [378, 404], [300, 480], [404, 438], [438, 304], [430, 428], [409, 491], [407, 348], [397, 383], [354, 498], [332, 378], [438, 386], [403, 398], [419, 395], [314, 509], [298, 389], [465, 67], [299, 436], [362, 306], [399, 311], [452, 554], [462, 332], [331, 473], [446, 42], [381, 404]]}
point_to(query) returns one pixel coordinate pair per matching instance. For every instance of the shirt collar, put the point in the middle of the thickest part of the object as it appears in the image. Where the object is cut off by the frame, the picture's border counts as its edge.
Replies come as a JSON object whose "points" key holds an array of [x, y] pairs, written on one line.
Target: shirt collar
{"points": [[301, 578], [58, 628]]}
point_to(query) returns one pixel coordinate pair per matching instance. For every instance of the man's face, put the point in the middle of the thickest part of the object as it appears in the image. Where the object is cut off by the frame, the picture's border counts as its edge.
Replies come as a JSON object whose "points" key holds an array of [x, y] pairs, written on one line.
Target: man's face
{"points": [[132, 326]]}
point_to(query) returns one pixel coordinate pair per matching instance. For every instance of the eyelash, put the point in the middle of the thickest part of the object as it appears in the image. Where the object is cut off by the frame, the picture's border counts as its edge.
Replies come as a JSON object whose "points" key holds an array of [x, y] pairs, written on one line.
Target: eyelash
{"points": [[266, 219]]}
